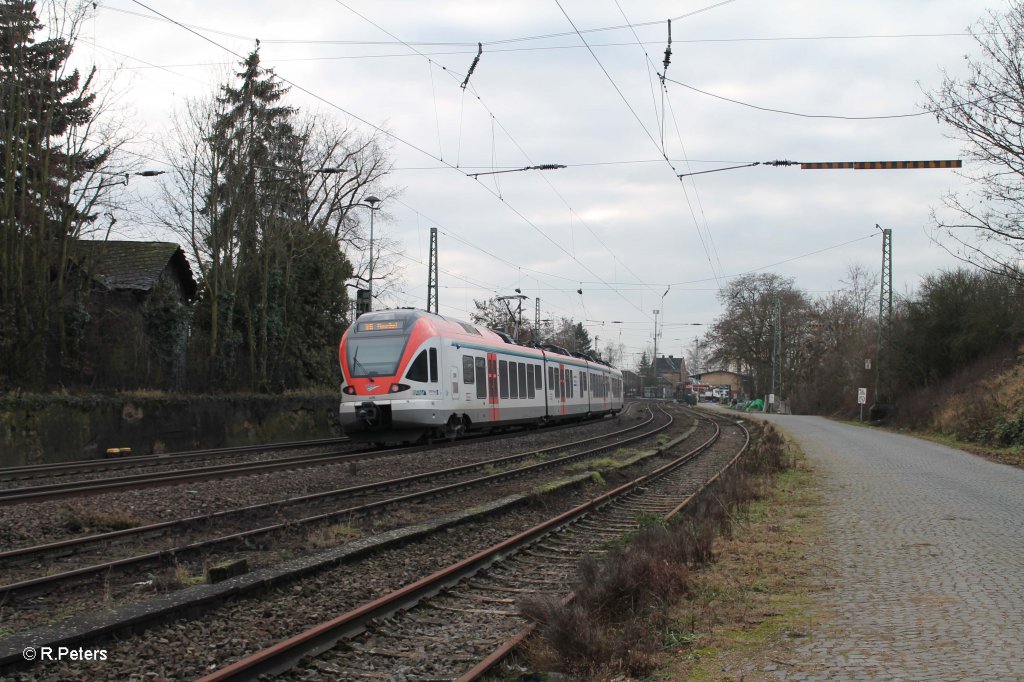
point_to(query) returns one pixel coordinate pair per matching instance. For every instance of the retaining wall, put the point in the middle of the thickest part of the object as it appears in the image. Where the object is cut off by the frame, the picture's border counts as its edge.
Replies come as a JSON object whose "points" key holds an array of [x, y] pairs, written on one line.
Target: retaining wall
{"points": [[63, 428]]}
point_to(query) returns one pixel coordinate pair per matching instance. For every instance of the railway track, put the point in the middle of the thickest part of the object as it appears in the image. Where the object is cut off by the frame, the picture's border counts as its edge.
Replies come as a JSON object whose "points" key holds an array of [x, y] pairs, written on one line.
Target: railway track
{"points": [[12, 475], [68, 489], [270, 600], [461, 621], [265, 519]]}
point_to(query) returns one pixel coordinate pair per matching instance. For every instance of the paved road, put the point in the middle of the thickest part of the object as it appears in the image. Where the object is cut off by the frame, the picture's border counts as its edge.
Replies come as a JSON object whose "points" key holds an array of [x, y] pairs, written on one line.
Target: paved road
{"points": [[927, 547]]}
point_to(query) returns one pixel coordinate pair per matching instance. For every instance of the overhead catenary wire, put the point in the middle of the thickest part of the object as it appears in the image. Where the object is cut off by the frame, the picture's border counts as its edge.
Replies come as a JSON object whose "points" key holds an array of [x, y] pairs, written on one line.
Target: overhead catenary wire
{"points": [[707, 230], [518, 146], [397, 138], [472, 44], [658, 161]]}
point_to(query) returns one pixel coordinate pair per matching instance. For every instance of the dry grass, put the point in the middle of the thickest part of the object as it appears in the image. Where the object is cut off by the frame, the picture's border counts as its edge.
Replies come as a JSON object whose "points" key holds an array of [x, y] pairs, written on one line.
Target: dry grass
{"points": [[746, 612], [77, 519], [624, 601], [332, 536], [979, 409]]}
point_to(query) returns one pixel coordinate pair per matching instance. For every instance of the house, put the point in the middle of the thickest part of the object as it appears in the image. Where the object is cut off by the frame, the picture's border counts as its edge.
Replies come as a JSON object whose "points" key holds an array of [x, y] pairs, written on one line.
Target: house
{"points": [[670, 374], [740, 385], [139, 268], [136, 309]]}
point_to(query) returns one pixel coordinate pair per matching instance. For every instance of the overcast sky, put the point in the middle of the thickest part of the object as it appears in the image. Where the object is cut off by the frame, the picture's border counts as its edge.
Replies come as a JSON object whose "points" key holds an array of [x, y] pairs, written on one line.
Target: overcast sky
{"points": [[617, 223]]}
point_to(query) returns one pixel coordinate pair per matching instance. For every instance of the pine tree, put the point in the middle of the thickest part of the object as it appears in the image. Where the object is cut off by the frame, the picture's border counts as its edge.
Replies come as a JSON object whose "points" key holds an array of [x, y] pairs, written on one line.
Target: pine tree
{"points": [[39, 109], [274, 294], [254, 201]]}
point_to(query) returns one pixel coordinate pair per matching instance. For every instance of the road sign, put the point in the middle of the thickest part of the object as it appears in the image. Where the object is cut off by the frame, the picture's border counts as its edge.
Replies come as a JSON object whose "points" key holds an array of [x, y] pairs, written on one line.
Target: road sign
{"points": [[771, 398], [862, 396]]}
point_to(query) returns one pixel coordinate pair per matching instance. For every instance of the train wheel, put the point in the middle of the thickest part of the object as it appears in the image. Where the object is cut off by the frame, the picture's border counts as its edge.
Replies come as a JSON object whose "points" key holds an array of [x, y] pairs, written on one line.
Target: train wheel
{"points": [[454, 428]]}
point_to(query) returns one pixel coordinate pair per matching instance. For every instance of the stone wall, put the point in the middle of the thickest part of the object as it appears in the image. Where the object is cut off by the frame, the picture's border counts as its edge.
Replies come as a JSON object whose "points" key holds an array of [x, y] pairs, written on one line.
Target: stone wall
{"points": [[64, 428]]}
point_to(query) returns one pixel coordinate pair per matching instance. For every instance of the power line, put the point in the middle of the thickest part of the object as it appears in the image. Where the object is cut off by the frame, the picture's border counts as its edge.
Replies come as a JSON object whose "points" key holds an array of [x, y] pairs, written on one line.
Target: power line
{"points": [[704, 244], [518, 146], [799, 114]]}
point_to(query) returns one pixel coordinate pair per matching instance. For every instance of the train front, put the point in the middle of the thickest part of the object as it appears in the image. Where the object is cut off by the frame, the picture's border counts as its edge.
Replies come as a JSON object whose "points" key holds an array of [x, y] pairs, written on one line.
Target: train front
{"points": [[378, 401]]}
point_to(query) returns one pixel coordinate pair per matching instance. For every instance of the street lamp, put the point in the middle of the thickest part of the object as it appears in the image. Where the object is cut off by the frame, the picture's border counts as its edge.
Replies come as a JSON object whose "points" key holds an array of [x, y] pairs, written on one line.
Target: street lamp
{"points": [[654, 364], [369, 202]]}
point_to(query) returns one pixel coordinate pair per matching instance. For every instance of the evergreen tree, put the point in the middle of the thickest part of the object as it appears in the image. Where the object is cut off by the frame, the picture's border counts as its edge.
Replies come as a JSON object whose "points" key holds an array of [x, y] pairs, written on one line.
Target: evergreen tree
{"points": [[39, 109], [252, 209], [643, 367], [273, 299]]}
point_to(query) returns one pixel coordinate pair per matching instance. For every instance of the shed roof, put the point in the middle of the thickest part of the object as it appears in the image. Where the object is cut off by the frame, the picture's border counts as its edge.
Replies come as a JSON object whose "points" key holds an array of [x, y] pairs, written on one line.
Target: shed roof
{"points": [[132, 265]]}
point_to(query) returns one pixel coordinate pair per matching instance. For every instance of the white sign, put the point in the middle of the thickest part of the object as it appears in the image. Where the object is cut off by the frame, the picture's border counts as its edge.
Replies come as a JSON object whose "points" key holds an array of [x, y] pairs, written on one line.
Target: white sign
{"points": [[862, 396], [771, 398]]}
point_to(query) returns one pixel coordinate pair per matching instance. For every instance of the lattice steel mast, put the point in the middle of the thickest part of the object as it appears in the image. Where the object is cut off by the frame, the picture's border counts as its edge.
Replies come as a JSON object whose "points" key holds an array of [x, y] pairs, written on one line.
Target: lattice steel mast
{"points": [[432, 292], [883, 351]]}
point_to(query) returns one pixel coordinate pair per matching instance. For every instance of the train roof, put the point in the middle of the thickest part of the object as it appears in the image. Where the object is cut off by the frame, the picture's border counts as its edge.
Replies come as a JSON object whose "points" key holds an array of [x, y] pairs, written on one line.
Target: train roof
{"points": [[453, 327]]}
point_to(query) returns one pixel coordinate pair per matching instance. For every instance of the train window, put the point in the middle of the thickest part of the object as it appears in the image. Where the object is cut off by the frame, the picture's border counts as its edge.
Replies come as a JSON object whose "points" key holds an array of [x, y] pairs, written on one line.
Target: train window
{"points": [[481, 378], [418, 368], [513, 380], [503, 376], [467, 369], [570, 383], [522, 380], [539, 371], [583, 383], [559, 385], [530, 386], [434, 376], [551, 378]]}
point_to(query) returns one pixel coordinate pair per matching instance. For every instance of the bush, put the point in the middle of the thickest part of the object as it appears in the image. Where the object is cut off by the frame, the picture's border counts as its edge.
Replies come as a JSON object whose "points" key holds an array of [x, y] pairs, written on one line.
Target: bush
{"points": [[621, 601]]}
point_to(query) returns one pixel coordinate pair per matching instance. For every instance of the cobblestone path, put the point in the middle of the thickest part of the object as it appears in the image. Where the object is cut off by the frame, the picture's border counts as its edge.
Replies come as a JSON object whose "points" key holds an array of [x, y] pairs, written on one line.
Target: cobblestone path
{"points": [[925, 550]]}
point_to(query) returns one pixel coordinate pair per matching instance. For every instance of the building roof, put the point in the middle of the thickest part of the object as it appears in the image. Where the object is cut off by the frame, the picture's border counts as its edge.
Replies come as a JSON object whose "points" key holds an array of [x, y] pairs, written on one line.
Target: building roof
{"points": [[696, 377], [670, 364], [132, 265]]}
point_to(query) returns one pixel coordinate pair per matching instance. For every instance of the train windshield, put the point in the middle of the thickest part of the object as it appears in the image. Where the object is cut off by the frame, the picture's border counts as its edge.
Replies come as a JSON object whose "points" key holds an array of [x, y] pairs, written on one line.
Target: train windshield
{"points": [[376, 341], [375, 356]]}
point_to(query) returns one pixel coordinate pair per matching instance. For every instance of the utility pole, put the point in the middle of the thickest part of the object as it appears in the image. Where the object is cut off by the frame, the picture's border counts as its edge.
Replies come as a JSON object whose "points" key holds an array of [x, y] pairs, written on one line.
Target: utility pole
{"points": [[654, 361], [536, 320], [432, 287], [777, 355], [883, 350]]}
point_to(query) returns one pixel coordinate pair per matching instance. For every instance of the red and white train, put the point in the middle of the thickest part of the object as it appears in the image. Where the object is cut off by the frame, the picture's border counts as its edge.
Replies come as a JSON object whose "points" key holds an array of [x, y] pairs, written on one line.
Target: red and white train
{"points": [[407, 374]]}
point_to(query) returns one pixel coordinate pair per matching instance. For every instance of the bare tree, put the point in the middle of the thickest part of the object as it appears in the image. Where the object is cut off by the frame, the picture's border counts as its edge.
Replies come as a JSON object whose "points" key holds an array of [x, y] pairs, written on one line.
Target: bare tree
{"points": [[742, 337], [985, 111]]}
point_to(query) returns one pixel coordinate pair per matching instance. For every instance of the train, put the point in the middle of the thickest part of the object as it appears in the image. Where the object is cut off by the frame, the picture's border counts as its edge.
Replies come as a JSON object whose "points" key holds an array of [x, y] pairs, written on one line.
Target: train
{"points": [[409, 375]]}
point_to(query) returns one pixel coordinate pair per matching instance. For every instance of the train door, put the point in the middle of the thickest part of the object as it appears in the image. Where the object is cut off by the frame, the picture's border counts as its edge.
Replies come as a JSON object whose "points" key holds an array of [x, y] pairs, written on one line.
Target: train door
{"points": [[561, 386], [492, 386]]}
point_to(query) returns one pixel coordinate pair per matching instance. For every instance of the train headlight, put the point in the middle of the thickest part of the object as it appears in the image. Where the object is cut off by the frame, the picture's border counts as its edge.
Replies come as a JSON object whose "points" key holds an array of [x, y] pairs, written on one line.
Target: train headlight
{"points": [[349, 390], [395, 388]]}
